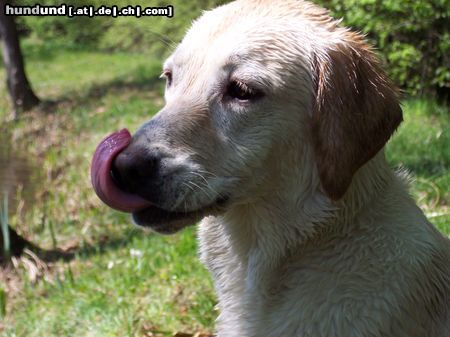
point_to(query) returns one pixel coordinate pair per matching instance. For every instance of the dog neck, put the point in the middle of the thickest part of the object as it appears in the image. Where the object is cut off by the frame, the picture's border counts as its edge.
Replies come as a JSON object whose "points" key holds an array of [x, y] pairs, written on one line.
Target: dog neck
{"points": [[248, 247], [297, 212]]}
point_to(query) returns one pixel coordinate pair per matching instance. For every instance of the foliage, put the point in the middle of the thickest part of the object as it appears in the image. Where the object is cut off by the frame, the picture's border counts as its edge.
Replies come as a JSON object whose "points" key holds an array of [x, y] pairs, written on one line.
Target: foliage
{"points": [[81, 30], [412, 37]]}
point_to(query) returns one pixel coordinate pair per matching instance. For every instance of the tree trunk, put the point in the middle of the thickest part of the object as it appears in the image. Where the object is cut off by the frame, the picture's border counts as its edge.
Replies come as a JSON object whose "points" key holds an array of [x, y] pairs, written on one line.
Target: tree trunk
{"points": [[19, 88]]}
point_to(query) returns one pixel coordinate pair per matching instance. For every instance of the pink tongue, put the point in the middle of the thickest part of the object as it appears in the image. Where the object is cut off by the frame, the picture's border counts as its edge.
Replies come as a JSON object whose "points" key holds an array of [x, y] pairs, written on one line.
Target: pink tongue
{"points": [[101, 178]]}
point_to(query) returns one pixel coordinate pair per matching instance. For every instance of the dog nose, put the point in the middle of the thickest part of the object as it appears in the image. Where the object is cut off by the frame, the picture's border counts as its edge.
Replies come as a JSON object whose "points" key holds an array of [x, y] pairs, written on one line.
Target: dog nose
{"points": [[135, 169]]}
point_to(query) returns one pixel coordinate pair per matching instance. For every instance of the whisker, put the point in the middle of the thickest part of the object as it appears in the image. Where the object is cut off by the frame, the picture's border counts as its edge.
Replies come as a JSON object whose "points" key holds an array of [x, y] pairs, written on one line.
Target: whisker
{"points": [[207, 185], [164, 39], [208, 173], [188, 186], [201, 176], [201, 188]]}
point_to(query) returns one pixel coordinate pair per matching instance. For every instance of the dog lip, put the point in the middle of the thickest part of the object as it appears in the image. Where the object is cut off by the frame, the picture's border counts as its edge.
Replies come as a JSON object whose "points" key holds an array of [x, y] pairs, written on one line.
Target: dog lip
{"points": [[101, 176], [168, 222]]}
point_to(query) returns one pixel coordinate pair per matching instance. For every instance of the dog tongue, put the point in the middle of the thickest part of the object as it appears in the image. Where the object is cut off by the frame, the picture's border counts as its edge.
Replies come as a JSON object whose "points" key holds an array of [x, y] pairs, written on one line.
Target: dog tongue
{"points": [[101, 177]]}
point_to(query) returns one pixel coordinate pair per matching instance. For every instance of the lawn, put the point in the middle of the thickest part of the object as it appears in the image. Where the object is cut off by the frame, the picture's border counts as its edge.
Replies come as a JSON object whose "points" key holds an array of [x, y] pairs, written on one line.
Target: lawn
{"points": [[118, 280]]}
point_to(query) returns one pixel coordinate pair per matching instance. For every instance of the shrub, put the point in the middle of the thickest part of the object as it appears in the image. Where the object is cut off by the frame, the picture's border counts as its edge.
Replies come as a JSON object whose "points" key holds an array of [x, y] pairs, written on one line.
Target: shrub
{"points": [[412, 37], [76, 31]]}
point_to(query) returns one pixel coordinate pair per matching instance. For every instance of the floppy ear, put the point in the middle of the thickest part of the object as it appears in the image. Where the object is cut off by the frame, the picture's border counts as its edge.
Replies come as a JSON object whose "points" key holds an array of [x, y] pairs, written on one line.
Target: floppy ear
{"points": [[356, 110]]}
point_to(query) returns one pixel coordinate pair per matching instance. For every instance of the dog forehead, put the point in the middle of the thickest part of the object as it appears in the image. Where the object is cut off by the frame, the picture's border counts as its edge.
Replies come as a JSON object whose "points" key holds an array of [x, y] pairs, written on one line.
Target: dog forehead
{"points": [[231, 26], [256, 37], [221, 37]]}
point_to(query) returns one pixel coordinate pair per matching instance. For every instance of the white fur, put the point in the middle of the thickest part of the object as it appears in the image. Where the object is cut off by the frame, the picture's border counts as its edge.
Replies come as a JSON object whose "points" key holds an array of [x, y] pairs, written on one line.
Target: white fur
{"points": [[287, 260]]}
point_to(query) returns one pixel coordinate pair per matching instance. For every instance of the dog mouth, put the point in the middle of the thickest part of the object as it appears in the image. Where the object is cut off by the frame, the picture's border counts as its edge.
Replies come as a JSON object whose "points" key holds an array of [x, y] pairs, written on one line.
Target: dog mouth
{"points": [[144, 212], [168, 222]]}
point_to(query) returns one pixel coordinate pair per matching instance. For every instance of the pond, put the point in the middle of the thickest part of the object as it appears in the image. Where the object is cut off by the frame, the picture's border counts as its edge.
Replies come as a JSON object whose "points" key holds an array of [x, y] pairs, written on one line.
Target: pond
{"points": [[19, 176]]}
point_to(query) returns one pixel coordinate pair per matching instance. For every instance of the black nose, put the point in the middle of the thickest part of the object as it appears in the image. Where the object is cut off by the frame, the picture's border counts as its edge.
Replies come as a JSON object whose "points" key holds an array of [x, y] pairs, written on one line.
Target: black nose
{"points": [[135, 170]]}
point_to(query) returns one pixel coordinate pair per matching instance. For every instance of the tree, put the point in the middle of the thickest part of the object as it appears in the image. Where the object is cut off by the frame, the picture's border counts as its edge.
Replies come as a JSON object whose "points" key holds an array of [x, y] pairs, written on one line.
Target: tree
{"points": [[23, 97]]}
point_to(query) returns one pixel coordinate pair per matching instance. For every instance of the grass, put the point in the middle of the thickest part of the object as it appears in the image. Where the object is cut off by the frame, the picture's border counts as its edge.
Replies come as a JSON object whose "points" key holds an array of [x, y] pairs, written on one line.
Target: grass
{"points": [[137, 284], [121, 281], [422, 145]]}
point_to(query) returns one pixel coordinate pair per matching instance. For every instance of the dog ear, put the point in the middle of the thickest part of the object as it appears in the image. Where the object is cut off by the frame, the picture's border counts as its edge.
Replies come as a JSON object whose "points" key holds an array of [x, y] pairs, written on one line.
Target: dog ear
{"points": [[356, 110]]}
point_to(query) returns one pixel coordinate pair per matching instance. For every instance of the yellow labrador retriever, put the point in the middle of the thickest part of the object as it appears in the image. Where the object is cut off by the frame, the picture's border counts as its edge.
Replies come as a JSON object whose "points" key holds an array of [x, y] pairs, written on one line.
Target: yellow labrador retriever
{"points": [[273, 134]]}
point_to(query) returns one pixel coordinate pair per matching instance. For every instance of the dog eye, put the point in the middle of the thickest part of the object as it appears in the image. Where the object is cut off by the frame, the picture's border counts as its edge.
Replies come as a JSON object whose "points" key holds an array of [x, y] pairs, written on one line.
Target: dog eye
{"points": [[167, 74], [241, 91]]}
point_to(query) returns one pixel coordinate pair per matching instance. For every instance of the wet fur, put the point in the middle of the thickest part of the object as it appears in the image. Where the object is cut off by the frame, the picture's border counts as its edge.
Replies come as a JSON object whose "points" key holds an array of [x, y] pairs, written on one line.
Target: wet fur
{"points": [[320, 237]]}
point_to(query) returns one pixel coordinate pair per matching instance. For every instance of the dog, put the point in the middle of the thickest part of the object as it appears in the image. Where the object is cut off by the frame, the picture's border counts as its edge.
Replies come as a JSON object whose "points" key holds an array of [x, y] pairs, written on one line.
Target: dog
{"points": [[272, 135]]}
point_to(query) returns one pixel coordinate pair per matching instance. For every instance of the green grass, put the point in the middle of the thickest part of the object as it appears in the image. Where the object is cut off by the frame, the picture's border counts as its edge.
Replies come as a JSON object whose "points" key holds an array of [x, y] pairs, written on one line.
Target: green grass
{"points": [[120, 289], [422, 146], [123, 281]]}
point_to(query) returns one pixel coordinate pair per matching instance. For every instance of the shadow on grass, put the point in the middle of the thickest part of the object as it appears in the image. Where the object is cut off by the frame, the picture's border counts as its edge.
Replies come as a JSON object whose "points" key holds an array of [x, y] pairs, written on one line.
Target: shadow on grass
{"points": [[105, 244], [97, 91], [84, 252], [132, 82]]}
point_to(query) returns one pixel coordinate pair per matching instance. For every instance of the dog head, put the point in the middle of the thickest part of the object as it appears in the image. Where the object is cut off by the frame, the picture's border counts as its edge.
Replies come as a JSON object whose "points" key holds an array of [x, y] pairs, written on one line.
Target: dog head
{"points": [[249, 81]]}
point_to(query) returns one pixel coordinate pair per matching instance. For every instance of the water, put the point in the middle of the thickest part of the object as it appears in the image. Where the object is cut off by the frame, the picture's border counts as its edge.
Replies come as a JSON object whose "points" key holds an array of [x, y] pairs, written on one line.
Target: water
{"points": [[19, 176]]}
